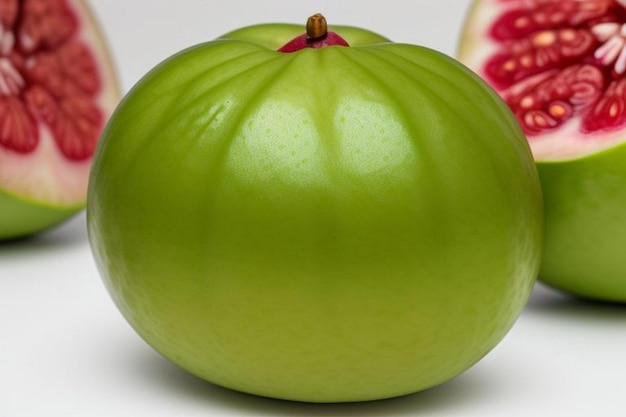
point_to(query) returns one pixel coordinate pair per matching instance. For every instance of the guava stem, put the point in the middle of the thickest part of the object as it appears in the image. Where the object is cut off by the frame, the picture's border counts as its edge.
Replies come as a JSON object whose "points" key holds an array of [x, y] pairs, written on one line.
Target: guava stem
{"points": [[316, 27]]}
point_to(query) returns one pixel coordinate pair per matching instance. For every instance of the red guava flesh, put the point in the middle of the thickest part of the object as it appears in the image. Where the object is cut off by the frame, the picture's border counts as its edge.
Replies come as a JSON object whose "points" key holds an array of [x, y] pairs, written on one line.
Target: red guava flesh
{"points": [[561, 67], [57, 90], [559, 64]]}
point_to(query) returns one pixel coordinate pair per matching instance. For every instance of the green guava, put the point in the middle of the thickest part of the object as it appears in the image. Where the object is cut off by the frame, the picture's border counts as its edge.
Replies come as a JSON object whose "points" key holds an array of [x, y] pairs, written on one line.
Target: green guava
{"points": [[328, 224]]}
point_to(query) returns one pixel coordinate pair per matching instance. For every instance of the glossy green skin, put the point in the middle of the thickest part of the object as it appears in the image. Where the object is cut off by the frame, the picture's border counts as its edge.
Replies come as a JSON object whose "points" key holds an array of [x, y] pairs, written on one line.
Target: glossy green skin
{"points": [[339, 224], [585, 214], [21, 217]]}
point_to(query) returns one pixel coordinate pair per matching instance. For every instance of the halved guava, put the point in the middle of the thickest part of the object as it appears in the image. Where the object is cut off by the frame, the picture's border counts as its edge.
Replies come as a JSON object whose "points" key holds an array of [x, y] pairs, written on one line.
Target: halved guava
{"points": [[561, 67], [57, 90]]}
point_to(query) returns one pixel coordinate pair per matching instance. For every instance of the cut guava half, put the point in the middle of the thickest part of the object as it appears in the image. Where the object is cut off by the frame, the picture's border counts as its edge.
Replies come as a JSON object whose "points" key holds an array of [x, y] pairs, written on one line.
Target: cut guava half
{"points": [[57, 90], [561, 67]]}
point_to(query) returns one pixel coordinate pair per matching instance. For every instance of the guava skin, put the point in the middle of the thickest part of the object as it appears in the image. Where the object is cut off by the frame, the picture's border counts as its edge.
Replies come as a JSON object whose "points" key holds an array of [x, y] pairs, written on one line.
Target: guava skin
{"points": [[20, 218], [329, 225], [586, 225]]}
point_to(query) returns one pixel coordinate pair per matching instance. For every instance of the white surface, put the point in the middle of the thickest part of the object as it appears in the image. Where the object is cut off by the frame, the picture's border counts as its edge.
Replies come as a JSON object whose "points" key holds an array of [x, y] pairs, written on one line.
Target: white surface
{"points": [[66, 351]]}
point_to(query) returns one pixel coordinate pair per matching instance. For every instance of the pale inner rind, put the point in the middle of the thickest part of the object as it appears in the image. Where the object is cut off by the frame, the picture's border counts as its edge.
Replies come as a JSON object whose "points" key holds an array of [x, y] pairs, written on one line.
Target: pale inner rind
{"points": [[44, 175]]}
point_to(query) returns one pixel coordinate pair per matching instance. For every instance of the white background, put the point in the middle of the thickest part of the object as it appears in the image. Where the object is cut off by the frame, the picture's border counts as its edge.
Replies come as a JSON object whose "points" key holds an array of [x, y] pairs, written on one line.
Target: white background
{"points": [[66, 351]]}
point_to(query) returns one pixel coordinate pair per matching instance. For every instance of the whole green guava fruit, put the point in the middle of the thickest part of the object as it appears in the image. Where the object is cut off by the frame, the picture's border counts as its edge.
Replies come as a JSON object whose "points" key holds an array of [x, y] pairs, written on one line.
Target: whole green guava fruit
{"points": [[329, 224]]}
